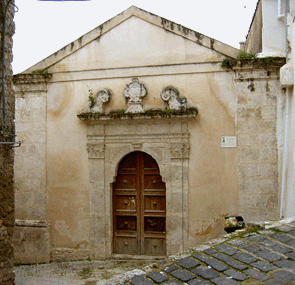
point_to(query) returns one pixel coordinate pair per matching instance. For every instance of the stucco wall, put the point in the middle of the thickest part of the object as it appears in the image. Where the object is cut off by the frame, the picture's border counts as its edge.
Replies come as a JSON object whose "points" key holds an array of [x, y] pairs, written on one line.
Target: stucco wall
{"points": [[267, 32]]}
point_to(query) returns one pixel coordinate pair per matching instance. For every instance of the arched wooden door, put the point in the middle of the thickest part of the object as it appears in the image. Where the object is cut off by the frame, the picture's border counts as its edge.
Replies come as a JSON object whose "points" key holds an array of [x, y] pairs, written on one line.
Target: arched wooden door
{"points": [[139, 207]]}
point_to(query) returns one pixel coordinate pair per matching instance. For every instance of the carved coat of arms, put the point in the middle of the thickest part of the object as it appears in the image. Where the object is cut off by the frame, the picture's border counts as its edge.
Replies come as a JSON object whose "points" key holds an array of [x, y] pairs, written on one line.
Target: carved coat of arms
{"points": [[134, 92]]}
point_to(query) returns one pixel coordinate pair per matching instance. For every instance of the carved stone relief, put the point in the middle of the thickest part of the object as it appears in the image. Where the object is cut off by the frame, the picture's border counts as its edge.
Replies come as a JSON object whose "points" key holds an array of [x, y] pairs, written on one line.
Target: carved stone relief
{"points": [[103, 97], [134, 92], [179, 150], [96, 150], [137, 146], [171, 95], [115, 151]]}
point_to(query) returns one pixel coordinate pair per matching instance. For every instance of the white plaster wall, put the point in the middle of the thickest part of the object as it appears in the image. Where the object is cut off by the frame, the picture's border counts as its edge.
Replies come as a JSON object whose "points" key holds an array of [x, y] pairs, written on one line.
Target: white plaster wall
{"points": [[288, 125], [273, 30], [120, 48]]}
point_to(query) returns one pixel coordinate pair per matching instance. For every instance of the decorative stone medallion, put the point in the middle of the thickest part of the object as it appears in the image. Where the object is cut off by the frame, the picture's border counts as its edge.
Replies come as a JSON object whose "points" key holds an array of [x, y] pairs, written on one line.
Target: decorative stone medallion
{"points": [[134, 92], [171, 95], [103, 97]]}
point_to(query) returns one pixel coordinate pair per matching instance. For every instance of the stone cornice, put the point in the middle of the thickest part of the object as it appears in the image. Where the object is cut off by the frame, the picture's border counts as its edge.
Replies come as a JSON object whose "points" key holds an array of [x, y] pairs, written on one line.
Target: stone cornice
{"points": [[93, 118], [31, 78]]}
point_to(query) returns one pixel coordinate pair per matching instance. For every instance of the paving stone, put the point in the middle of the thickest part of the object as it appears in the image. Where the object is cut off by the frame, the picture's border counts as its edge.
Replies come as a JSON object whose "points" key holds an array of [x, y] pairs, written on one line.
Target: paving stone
{"points": [[245, 257], [284, 276], [183, 275], [224, 281], [157, 277], [210, 251], [235, 275], [256, 274], [286, 264], [169, 268], [285, 228], [231, 262], [274, 282], [291, 243], [229, 250], [255, 238], [172, 282], [281, 237], [253, 248], [205, 272], [139, 280], [291, 255], [238, 242], [269, 255], [198, 281], [264, 266], [276, 246], [211, 261], [188, 262]]}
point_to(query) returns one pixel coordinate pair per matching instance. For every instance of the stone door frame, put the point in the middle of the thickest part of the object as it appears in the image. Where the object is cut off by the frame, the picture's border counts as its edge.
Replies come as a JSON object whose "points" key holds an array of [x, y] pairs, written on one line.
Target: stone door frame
{"points": [[167, 141]]}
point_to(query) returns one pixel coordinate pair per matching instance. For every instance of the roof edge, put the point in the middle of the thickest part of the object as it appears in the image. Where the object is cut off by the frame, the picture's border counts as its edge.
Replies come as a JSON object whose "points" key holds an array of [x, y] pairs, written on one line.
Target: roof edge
{"points": [[170, 26]]}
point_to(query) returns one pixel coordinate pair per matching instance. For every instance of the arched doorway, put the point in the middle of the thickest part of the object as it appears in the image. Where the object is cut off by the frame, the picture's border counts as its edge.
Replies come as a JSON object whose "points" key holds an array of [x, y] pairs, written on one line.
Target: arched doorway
{"points": [[139, 207]]}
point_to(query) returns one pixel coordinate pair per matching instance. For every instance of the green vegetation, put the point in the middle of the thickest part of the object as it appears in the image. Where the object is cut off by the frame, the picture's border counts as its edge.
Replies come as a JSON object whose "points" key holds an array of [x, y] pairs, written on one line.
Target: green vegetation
{"points": [[246, 55], [226, 63]]}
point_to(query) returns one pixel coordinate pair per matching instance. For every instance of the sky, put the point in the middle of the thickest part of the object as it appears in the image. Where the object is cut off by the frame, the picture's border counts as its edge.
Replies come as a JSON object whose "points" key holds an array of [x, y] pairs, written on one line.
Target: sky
{"points": [[44, 27]]}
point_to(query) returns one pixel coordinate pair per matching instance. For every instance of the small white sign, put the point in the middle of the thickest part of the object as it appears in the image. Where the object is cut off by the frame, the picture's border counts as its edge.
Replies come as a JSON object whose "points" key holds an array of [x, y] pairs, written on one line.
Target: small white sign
{"points": [[228, 141]]}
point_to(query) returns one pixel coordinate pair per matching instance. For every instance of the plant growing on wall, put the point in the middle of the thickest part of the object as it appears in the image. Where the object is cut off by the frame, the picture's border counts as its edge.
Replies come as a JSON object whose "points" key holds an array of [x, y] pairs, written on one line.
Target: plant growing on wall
{"points": [[246, 55], [91, 99]]}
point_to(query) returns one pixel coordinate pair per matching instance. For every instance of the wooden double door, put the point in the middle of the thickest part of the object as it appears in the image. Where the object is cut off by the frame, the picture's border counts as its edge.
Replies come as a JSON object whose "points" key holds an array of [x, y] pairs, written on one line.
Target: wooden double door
{"points": [[139, 207]]}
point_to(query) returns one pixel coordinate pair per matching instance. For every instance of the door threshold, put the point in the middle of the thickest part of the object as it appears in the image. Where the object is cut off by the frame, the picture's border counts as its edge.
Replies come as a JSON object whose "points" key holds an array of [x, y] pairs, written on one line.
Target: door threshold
{"points": [[143, 257]]}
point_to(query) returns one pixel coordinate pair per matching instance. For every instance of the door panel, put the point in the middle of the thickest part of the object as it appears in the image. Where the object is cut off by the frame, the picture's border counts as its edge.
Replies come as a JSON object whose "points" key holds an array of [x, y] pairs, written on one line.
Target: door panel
{"points": [[139, 207]]}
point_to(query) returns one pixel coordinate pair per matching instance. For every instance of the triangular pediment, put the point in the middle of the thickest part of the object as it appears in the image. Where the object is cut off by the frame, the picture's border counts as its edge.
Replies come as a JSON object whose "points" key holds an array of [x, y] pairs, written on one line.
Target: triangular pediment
{"points": [[135, 38]]}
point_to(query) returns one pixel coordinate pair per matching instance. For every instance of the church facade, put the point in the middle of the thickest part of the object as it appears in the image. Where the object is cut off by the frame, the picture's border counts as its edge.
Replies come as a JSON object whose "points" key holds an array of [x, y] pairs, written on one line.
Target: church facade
{"points": [[139, 138]]}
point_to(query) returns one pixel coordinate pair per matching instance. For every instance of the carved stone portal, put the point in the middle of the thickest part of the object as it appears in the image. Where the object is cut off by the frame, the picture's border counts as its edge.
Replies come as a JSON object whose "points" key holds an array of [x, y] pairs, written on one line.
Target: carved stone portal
{"points": [[103, 97], [134, 92], [171, 95]]}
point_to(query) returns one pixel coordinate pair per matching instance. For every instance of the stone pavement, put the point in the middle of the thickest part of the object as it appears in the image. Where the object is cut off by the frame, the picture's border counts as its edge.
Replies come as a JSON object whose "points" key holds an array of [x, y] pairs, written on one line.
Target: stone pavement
{"points": [[253, 256], [260, 257]]}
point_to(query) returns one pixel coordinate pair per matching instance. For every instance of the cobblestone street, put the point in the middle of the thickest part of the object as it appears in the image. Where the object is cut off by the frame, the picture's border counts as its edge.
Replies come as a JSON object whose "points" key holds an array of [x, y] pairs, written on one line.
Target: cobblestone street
{"points": [[266, 256]]}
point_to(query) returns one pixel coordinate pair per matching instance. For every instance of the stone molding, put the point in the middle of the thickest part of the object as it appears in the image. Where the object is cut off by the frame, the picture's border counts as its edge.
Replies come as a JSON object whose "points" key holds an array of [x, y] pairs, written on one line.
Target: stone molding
{"points": [[31, 223], [169, 148], [116, 117]]}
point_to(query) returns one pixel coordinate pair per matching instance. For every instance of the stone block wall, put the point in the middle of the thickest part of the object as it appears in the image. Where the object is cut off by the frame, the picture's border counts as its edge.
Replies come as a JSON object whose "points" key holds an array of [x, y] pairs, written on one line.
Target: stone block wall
{"points": [[6, 138], [257, 90], [31, 242], [31, 238]]}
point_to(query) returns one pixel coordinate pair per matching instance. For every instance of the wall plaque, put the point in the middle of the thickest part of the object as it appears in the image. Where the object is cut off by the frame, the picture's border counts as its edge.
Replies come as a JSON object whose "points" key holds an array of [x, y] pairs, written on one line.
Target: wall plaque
{"points": [[229, 141]]}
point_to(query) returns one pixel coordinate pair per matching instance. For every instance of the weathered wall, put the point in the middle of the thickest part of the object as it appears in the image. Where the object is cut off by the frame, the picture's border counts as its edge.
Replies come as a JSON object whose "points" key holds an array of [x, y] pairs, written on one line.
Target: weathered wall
{"points": [[258, 90], [30, 170], [6, 152]]}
